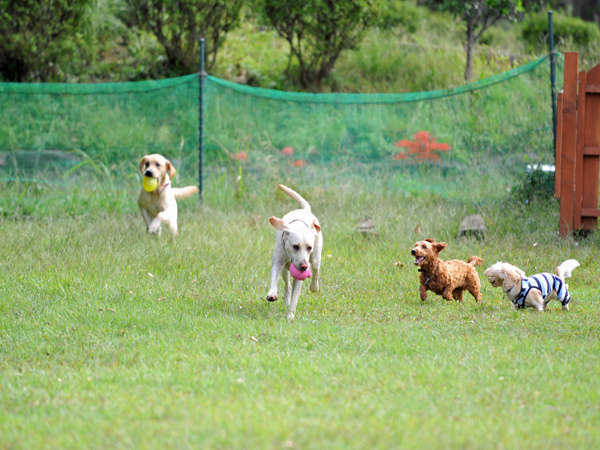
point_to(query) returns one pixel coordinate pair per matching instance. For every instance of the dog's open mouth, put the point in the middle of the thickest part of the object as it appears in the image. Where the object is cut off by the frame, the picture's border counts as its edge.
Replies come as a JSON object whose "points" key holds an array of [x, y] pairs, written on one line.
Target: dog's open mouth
{"points": [[419, 260]]}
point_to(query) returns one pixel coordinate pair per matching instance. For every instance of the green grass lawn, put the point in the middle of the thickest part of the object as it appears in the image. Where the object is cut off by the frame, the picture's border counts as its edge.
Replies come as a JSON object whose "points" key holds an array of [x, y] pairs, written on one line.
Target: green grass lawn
{"points": [[111, 338]]}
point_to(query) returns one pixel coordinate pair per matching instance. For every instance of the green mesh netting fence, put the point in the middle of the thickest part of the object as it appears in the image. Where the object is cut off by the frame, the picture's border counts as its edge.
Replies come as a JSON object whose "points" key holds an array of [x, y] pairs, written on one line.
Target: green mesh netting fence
{"points": [[58, 132], [474, 140], [469, 141]]}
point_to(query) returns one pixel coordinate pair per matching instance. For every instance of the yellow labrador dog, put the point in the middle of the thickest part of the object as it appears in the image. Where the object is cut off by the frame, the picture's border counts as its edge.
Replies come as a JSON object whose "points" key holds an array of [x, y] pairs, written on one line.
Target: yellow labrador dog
{"points": [[298, 243], [160, 205]]}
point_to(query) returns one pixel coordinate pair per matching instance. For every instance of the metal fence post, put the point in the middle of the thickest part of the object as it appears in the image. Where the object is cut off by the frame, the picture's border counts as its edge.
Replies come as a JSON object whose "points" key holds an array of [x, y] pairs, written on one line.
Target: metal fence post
{"points": [[201, 122]]}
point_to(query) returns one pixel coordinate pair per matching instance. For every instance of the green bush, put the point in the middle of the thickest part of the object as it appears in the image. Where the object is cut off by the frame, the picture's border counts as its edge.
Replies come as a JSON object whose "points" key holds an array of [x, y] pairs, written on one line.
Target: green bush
{"points": [[535, 31], [108, 49], [317, 32], [178, 25], [37, 37], [534, 185], [398, 13]]}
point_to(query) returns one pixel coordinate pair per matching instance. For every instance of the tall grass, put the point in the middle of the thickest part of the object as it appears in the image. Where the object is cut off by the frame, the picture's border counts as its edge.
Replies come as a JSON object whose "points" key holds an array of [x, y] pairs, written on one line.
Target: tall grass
{"points": [[113, 338]]}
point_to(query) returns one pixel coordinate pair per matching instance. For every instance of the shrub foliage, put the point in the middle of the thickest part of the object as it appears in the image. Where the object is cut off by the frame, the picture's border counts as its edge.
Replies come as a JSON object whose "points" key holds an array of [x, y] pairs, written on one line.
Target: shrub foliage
{"points": [[317, 31], [178, 26], [535, 31], [36, 36]]}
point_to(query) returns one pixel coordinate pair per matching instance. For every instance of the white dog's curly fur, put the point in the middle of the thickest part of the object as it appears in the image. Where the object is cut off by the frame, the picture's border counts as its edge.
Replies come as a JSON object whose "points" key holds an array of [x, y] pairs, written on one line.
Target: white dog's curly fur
{"points": [[509, 277]]}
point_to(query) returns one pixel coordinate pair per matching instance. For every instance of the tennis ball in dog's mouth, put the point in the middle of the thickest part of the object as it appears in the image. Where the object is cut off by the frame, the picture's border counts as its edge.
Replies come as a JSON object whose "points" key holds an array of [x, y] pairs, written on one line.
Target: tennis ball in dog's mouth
{"points": [[298, 274], [149, 184]]}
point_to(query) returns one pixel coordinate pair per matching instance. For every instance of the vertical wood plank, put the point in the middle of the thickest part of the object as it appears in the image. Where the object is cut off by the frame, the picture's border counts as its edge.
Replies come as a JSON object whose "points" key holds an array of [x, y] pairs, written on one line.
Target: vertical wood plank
{"points": [[569, 141], [579, 158]]}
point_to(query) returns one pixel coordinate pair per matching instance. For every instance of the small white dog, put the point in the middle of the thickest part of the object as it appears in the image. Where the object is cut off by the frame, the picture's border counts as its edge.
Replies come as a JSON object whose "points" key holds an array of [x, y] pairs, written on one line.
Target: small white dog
{"points": [[160, 205], [298, 241], [534, 291]]}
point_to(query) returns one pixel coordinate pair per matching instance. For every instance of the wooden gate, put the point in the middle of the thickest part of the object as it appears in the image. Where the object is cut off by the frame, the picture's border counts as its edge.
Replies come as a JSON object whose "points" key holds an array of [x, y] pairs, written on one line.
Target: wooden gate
{"points": [[578, 148]]}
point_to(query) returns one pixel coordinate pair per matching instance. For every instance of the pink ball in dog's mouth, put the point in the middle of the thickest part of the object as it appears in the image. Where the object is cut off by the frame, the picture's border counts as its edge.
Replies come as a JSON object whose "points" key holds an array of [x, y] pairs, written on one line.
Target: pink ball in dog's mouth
{"points": [[299, 275]]}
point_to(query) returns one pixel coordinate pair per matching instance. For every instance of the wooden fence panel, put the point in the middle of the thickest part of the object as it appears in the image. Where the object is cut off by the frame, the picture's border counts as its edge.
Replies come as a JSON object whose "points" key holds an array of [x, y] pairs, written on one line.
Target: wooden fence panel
{"points": [[590, 136], [568, 144]]}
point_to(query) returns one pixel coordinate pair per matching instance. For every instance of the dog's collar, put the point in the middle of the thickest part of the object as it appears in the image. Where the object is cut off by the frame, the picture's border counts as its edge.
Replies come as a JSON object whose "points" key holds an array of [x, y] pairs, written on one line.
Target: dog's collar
{"points": [[292, 221], [427, 279], [300, 220], [164, 186]]}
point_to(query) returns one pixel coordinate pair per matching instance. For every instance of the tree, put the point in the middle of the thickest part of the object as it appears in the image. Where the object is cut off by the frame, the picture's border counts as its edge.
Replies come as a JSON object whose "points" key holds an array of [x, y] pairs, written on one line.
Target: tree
{"points": [[317, 31], [35, 36], [478, 16], [588, 10], [178, 26]]}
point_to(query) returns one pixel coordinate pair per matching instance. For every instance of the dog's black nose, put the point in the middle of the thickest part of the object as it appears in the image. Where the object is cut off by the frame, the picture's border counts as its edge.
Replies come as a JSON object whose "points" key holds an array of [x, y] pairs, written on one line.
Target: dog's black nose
{"points": [[148, 173], [303, 267], [412, 252]]}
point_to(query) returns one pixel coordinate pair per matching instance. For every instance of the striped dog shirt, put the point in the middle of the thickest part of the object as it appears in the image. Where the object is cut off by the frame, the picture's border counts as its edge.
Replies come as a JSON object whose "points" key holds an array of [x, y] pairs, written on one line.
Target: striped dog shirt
{"points": [[546, 283]]}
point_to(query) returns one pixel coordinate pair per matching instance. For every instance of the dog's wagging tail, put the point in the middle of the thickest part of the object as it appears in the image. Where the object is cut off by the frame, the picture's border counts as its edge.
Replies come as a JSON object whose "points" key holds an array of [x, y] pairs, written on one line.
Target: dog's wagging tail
{"points": [[303, 203], [184, 192]]}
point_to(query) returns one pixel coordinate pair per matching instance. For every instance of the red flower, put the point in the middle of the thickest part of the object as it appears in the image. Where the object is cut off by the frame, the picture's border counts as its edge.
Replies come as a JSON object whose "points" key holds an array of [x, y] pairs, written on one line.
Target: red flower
{"points": [[404, 143], [287, 151], [423, 147], [423, 136], [300, 163], [239, 156], [440, 146]]}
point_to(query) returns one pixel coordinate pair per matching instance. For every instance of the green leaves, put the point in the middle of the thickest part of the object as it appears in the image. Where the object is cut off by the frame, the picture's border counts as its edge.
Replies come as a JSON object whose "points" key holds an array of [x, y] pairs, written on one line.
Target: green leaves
{"points": [[317, 31], [478, 16], [35, 36], [179, 24]]}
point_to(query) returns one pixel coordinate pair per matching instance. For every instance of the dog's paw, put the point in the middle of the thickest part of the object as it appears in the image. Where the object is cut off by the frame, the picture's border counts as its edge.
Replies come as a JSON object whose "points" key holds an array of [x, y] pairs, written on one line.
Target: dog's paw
{"points": [[290, 316], [271, 298], [314, 286], [154, 229]]}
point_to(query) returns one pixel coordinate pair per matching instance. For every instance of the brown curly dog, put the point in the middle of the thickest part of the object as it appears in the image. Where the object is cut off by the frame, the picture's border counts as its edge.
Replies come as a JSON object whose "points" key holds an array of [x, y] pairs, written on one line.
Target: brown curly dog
{"points": [[446, 278]]}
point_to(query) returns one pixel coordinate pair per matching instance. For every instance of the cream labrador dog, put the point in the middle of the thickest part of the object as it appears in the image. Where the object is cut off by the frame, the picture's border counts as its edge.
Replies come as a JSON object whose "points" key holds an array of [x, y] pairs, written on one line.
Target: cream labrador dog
{"points": [[160, 205], [298, 241]]}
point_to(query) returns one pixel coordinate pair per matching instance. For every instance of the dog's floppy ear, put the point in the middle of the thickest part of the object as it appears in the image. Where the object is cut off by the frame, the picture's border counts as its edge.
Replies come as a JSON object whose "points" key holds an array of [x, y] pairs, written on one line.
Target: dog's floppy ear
{"points": [[509, 274], [510, 278], [430, 240], [142, 162], [277, 223], [439, 246], [490, 271], [171, 169], [494, 272]]}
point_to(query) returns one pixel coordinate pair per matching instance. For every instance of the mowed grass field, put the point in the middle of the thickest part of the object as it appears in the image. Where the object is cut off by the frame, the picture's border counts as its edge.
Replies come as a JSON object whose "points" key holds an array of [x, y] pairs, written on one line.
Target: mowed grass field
{"points": [[110, 338]]}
